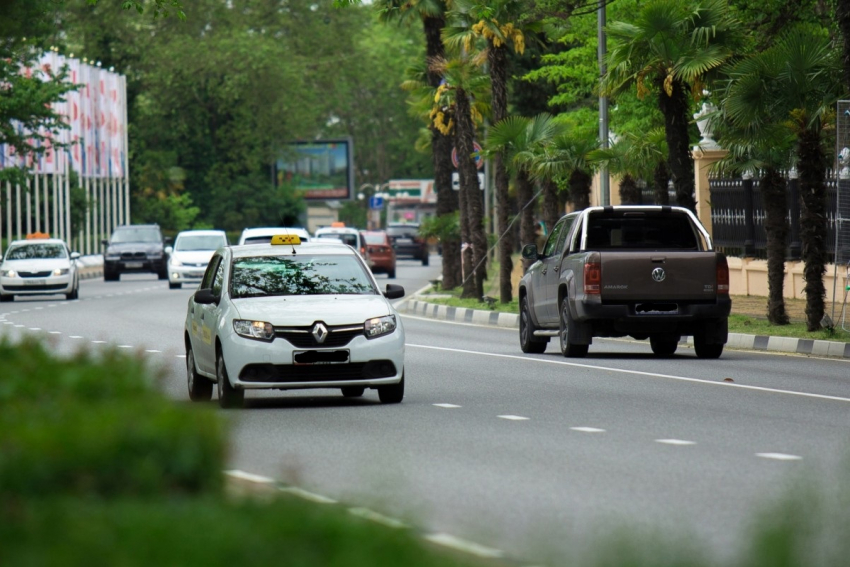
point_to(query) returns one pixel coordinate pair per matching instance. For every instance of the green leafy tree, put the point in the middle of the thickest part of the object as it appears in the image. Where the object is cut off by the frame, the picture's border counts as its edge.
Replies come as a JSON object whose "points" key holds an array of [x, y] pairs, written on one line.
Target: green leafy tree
{"points": [[669, 48]]}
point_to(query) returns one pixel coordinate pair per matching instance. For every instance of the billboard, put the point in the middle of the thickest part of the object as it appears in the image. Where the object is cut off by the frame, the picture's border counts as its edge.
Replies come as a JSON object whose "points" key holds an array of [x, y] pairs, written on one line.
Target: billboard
{"points": [[322, 170]]}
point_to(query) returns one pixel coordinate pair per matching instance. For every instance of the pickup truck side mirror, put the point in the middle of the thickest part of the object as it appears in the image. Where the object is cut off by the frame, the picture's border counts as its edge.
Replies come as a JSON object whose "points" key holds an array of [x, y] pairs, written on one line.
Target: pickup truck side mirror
{"points": [[205, 297], [529, 252]]}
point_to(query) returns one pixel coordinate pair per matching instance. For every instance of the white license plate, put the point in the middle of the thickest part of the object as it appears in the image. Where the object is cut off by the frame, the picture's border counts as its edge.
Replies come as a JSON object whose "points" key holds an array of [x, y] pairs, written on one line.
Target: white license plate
{"points": [[404, 241], [37, 282], [134, 264], [301, 357], [197, 275]]}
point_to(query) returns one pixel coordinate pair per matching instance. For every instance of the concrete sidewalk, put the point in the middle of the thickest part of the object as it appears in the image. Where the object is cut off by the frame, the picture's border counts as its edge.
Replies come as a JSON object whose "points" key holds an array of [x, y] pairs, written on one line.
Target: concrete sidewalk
{"points": [[415, 305]]}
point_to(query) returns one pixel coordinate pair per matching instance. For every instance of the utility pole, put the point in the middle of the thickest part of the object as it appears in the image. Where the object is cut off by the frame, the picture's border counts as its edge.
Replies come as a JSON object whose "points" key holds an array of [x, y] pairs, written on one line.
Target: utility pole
{"points": [[604, 188]]}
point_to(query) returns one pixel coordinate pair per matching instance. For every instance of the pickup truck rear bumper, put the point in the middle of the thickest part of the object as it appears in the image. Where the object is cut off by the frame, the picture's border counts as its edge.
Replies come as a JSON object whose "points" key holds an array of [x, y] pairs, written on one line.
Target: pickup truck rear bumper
{"points": [[688, 320]]}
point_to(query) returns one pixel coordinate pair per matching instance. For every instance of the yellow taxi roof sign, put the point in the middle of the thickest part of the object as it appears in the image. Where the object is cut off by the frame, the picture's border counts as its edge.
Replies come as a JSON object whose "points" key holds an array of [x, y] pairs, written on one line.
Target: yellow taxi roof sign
{"points": [[290, 239], [337, 224]]}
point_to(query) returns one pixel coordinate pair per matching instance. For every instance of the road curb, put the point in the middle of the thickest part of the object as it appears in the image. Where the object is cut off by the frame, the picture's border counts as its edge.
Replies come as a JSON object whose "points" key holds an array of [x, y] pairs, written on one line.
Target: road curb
{"points": [[90, 267], [809, 347]]}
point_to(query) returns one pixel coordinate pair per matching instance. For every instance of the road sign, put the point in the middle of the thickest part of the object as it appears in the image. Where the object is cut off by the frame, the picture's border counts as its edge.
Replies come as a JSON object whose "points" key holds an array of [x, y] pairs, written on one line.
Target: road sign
{"points": [[456, 181], [376, 203], [479, 163]]}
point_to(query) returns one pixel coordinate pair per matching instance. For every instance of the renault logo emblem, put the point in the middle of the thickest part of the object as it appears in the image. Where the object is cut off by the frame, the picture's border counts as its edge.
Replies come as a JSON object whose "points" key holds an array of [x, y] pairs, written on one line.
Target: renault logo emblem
{"points": [[658, 275], [320, 332]]}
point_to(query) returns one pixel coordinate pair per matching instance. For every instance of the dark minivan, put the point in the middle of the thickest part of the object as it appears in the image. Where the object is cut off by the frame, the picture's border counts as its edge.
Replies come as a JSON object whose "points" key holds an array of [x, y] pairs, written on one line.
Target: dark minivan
{"points": [[136, 248]]}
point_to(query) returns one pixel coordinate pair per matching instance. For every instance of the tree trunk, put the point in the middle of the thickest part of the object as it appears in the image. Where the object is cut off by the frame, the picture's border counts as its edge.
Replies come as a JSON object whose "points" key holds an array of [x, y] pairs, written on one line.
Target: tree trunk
{"points": [[842, 13], [473, 286], [441, 153], [776, 228], [551, 210], [661, 176], [813, 231], [527, 228], [579, 183], [498, 63], [676, 120], [629, 191]]}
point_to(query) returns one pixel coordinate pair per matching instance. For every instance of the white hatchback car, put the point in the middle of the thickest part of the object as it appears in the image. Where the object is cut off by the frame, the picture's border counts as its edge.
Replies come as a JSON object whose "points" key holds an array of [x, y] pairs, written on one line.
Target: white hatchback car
{"points": [[263, 235], [39, 267], [288, 315], [188, 258]]}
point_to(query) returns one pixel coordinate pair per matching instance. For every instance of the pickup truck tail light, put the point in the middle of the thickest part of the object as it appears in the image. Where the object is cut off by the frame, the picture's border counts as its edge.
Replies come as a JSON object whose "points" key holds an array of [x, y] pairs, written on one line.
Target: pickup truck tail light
{"points": [[593, 275], [722, 275]]}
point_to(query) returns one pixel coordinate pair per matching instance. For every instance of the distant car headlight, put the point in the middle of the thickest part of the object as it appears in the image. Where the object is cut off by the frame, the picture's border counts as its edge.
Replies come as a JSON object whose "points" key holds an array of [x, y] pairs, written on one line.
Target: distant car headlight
{"points": [[176, 263], [9, 273], [61, 272], [380, 326], [259, 330]]}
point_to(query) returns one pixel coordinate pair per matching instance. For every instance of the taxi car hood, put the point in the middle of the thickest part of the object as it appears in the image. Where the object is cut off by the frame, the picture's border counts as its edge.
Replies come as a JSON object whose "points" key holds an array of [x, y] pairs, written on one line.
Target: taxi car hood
{"points": [[36, 264], [303, 310]]}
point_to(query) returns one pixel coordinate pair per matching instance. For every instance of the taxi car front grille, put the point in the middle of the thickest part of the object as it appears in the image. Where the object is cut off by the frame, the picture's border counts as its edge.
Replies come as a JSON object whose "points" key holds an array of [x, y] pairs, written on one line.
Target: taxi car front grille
{"points": [[302, 337], [29, 287], [34, 274], [283, 373]]}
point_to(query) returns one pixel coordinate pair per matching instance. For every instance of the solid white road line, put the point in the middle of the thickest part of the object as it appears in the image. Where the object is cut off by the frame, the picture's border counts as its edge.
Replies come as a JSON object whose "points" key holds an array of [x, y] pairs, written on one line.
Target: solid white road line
{"points": [[472, 548], [779, 456], [306, 495], [675, 442], [514, 417], [446, 405], [588, 429], [376, 517], [635, 372]]}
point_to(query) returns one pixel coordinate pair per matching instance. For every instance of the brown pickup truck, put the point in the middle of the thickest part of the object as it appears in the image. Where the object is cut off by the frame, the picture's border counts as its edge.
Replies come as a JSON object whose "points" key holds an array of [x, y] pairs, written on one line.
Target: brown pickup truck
{"points": [[648, 272]]}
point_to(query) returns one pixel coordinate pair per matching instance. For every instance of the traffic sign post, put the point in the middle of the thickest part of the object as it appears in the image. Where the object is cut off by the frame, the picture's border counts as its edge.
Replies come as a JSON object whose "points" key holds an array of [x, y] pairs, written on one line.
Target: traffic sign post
{"points": [[479, 162], [376, 203]]}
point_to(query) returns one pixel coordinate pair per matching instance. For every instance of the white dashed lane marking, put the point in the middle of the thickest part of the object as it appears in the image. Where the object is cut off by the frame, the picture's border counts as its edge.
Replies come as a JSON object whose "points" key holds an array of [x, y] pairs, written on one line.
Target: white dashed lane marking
{"points": [[675, 442], [180, 356], [75, 337], [35, 328], [96, 342], [459, 544], [779, 456], [152, 350], [55, 332], [368, 514], [447, 405], [125, 346], [588, 429], [514, 417]]}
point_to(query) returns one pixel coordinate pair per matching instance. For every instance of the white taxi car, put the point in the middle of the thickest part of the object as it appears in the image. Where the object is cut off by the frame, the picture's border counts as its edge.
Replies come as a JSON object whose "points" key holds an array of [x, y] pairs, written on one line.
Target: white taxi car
{"points": [[292, 315], [188, 258], [43, 266]]}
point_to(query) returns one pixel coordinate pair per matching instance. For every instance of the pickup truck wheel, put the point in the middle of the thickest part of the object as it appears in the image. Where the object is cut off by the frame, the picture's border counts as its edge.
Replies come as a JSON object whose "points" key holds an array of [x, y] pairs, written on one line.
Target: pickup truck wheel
{"points": [[662, 346], [704, 350], [568, 348], [527, 341]]}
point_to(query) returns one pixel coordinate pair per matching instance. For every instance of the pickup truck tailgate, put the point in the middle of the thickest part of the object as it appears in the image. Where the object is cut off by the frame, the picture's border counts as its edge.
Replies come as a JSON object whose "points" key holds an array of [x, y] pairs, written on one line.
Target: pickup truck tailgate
{"points": [[659, 276]]}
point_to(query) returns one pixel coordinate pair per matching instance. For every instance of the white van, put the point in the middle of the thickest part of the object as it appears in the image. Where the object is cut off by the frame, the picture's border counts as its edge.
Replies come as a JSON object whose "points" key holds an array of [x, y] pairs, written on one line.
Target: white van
{"points": [[350, 236]]}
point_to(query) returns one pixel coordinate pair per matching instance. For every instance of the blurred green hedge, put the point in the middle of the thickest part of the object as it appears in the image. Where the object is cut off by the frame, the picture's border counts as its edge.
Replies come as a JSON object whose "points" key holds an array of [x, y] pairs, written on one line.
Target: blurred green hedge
{"points": [[97, 425]]}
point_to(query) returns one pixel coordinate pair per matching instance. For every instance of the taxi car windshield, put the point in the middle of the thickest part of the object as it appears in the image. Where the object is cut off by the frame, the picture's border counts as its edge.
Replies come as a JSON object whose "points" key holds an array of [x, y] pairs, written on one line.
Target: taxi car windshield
{"points": [[299, 275], [36, 251]]}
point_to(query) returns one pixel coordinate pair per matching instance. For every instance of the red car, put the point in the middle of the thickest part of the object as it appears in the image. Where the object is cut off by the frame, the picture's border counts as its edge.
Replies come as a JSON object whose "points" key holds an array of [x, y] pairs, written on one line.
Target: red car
{"points": [[379, 252]]}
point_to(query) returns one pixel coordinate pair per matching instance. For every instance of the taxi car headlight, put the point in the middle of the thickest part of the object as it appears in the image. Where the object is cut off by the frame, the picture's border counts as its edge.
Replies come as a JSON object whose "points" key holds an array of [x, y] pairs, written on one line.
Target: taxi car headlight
{"points": [[379, 326], [60, 272], [9, 274], [259, 330]]}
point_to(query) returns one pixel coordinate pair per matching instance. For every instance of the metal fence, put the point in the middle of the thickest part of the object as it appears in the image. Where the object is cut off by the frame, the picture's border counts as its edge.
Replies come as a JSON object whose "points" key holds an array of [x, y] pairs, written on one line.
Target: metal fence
{"points": [[730, 217]]}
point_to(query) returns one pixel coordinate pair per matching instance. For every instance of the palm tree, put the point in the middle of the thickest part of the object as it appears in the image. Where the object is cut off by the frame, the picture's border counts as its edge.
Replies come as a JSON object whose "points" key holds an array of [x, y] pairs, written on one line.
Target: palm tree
{"points": [[797, 82], [459, 103], [671, 49], [521, 140], [567, 158], [627, 158], [432, 14], [497, 22]]}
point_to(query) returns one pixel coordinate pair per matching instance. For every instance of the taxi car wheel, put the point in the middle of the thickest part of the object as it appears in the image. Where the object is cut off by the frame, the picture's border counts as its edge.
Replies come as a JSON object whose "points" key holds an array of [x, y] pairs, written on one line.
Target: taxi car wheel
{"points": [[6, 298], [174, 285], [393, 393], [75, 293], [200, 389], [568, 348], [228, 396], [163, 275], [353, 391], [527, 342], [391, 274], [662, 346]]}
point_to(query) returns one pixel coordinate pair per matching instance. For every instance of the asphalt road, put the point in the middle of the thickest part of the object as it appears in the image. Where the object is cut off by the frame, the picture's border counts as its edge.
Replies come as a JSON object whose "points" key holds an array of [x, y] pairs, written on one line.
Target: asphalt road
{"points": [[531, 454]]}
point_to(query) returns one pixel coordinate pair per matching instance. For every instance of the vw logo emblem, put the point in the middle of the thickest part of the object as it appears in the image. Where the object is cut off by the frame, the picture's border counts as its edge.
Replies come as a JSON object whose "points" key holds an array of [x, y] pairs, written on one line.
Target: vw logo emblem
{"points": [[658, 275], [320, 332]]}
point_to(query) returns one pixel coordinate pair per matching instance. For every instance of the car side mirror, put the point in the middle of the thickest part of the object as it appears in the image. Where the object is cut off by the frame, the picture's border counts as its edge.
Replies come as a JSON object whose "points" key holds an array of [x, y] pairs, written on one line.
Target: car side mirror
{"points": [[105, 242], [529, 252], [168, 250], [167, 240], [75, 255], [394, 291], [205, 297]]}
